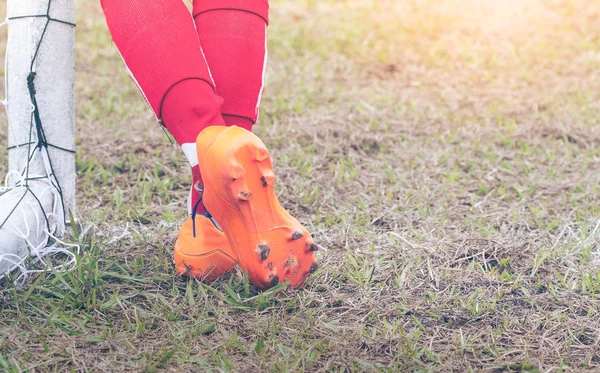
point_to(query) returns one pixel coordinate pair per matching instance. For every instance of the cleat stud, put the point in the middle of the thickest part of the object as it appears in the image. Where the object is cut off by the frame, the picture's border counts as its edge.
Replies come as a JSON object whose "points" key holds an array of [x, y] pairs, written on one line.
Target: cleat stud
{"points": [[237, 171], [265, 254], [297, 235], [313, 247], [274, 280], [264, 250], [244, 195], [268, 179], [261, 154], [313, 268]]}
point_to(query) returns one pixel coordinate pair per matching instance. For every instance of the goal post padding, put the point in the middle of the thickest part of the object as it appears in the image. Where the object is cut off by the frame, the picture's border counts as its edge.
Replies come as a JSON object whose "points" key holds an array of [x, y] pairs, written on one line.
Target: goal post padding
{"points": [[46, 47], [55, 75]]}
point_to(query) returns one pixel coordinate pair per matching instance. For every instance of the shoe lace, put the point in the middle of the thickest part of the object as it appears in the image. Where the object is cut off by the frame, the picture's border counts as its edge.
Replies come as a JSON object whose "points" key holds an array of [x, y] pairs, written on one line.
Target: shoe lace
{"points": [[206, 214]]}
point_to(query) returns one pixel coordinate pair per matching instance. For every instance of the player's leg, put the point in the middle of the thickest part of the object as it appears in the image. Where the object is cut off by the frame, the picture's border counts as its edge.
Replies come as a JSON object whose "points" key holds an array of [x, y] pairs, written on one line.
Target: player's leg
{"points": [[269, 243], [159, 44], [233, 35]]}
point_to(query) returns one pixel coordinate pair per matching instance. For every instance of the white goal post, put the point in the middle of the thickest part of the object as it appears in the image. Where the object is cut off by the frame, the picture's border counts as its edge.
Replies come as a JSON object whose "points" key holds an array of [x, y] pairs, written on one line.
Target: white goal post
{"points": [[39, 195]]}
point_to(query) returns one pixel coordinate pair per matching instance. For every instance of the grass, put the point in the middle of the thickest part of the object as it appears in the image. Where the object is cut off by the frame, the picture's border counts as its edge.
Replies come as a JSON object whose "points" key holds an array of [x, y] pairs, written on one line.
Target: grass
{"points": [[445, 154]]}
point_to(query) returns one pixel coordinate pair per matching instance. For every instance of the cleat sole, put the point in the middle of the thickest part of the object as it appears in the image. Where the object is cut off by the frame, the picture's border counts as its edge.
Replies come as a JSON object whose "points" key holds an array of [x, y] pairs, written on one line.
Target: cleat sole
{"points": [[247, 209]]}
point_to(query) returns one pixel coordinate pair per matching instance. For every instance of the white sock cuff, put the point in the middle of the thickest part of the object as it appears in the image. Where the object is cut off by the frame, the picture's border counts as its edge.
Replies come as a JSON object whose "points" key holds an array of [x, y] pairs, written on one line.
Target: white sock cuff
{"points": [[189, 149]]}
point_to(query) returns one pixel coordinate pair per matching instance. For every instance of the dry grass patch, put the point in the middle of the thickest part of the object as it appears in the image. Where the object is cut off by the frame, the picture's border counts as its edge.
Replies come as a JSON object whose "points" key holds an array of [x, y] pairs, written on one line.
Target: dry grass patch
{"points": [[445, 155]]}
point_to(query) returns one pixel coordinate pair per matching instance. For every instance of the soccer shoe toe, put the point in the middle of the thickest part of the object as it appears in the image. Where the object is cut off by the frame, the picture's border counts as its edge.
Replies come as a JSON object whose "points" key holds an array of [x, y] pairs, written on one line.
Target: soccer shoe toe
{"points": [[239, 192], [205, 255]]}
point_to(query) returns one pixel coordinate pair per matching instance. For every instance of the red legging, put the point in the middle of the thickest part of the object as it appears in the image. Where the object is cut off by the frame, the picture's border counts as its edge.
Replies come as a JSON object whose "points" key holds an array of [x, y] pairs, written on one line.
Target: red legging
{"points": [[194, 70]]}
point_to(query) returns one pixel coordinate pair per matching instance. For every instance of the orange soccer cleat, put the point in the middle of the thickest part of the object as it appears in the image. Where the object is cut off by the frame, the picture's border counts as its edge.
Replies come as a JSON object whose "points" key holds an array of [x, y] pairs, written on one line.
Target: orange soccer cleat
{"points": [[267, 241], [206, 254]]}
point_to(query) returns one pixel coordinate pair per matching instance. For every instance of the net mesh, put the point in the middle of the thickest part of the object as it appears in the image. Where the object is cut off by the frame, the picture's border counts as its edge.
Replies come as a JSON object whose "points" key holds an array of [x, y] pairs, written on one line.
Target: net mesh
{"points": [[32, 206]]}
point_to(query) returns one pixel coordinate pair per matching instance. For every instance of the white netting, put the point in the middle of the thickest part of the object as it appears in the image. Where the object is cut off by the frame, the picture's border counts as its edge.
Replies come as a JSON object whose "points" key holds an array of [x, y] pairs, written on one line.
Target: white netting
{"points": [[32, 209]]}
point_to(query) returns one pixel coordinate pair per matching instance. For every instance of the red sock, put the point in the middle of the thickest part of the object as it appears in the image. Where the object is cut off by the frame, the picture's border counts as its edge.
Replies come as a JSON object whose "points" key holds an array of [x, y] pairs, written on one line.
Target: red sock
{"points": [[159, 44], [233, 34]]}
